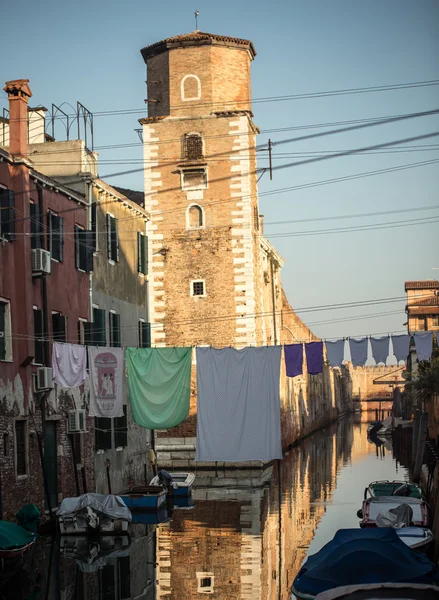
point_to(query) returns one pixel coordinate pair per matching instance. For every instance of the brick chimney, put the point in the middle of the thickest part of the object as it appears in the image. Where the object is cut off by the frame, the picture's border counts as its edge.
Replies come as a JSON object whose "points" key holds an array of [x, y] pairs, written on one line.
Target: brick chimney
{"points": [[18, 94]]}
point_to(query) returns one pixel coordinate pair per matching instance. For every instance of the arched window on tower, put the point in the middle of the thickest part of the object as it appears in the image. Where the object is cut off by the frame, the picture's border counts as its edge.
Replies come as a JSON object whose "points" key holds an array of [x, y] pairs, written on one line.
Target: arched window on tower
{"points": [[195, 217], [190, 88], [192, 146]]}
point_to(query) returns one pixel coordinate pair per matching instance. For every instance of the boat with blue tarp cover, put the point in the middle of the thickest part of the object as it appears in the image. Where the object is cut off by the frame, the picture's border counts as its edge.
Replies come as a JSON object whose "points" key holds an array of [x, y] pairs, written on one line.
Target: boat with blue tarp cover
{"points": [[361, 556]]}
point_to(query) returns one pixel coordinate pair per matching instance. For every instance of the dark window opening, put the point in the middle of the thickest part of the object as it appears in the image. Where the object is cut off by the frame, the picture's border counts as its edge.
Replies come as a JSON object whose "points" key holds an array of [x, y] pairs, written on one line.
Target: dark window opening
{"points": [[3, 306], [7, 214], [59, 327], [192, 147], [198, 288], [93, 226], [194, 179], [107, 583], [95, 333], [5, 444], [20, 444], [121, 430], [56, 240], [103, 433], [36, 226], [205, 582]]}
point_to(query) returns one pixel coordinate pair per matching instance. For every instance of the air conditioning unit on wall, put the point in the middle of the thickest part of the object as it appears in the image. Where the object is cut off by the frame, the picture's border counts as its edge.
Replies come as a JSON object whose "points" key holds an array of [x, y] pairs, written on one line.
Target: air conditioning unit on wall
{"points": [[44, 380], [76, 421], [40, 261]]}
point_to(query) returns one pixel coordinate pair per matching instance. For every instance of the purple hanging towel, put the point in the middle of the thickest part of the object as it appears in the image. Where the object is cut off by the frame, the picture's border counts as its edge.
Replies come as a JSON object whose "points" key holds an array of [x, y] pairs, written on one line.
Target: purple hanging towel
{"points": [[335, 353], [314, 357], [358, 350], [293, 354], [424, 344], [401, 345], [380, 348]]}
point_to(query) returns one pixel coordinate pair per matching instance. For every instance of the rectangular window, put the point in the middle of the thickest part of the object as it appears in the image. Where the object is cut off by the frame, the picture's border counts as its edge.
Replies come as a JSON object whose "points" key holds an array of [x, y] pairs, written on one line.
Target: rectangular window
{"points": [[81, 331], [114, 329], [59, 327], [21, 447], [198, 288], [435, 321], [95, 332], [144, 334], [93, 225], [7, 214], [107, 583], [103, 433], [112, 238], [5, 330], [121, 430], [36, 226], [56, 239], [422, 324], [192, 147], [83, 249], [40, 342], [205, 583], [194, 179], [142, 253], [123, 564]]}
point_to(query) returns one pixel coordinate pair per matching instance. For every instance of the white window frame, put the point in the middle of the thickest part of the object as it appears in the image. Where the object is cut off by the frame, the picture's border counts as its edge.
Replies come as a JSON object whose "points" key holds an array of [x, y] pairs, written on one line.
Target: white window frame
{"points": [[8, 331], [205, 590], [183, 81], [81, 331], [189, 188], [203, 295], [203, 217]]}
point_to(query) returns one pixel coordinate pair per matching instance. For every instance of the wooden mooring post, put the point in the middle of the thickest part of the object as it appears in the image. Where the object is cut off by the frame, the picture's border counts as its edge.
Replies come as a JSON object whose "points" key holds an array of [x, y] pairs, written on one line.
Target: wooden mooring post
{"points": [[420, 448]]}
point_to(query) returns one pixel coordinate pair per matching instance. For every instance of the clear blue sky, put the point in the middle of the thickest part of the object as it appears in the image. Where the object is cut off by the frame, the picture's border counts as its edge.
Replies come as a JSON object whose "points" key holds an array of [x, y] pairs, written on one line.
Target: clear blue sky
{"points": [[89, 51]]}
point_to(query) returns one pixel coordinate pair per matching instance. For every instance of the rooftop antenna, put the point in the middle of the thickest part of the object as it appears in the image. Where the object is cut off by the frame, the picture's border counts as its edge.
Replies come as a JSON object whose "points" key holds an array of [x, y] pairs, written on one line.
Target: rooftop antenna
{"points": [[196, 13]]}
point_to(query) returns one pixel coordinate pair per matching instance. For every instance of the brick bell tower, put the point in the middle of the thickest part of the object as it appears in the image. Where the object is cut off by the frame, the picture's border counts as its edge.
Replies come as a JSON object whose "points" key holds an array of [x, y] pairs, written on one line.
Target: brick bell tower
{"points": [[201, 190]]}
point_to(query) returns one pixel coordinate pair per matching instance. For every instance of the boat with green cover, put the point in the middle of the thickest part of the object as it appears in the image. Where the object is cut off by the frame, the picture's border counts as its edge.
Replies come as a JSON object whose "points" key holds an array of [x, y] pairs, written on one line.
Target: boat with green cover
{"points": [[393, 488], [15, 541]]}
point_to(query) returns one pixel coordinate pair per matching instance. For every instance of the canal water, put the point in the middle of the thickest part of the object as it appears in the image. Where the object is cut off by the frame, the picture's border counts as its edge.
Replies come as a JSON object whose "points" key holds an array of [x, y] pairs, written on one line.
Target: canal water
{"points": [[246, 536]]}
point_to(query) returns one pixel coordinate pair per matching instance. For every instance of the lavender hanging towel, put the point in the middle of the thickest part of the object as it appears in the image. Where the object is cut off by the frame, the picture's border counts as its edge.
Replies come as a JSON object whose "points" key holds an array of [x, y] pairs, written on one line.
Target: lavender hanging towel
{"points": [[238, 415], [293, 359], [424, 344], [335, 353], [314, 357], [358, 350], [380, 348], [401, 345]]}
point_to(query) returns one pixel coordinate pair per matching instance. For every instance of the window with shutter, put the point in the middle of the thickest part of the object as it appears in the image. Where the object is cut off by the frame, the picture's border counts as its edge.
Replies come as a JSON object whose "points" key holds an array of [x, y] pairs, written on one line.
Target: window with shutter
{"points": [[144, 334], [112, 238], [192, 146], [2, 330], [114, 329], [93, 225], [142, 249], [99, 337], [7, 214], [36, 226], [83, 249], [121, 430], [56, 240]]}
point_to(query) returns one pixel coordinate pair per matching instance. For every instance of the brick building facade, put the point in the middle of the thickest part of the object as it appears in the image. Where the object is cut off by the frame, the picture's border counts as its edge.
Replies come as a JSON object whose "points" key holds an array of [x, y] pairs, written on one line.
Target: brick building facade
{"points": [[214, 278]]}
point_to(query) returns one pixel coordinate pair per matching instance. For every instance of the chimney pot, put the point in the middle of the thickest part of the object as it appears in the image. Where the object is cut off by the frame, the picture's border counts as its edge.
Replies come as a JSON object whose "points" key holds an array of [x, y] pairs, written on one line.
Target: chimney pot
{"points": [[19, 93]]}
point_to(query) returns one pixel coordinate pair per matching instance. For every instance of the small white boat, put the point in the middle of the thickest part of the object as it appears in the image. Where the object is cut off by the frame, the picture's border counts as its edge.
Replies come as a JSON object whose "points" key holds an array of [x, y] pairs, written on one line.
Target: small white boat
{"points": [[375, 591], [182, 482], [416, 538], [98, 513]]}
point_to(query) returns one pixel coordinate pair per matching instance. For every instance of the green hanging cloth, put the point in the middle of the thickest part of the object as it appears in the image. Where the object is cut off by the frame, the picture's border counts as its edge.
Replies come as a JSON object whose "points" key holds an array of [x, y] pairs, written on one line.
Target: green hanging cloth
{"points": [[159, 381]]}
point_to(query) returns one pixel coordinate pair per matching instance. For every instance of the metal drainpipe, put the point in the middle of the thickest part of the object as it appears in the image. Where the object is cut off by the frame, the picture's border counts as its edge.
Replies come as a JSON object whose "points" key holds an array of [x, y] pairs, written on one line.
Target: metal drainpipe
{"points": [[90, 280], [44, 283], [273, 297]]}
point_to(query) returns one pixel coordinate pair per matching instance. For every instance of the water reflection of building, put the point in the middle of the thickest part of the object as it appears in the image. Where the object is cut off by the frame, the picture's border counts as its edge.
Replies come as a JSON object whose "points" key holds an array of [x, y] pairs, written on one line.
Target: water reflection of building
{"points": [[249, 532]]}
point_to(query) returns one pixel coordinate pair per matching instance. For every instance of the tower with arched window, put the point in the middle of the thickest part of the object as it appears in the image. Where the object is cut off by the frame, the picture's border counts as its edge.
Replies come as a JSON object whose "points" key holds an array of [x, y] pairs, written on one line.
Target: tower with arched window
{"points": [[213, 278]]}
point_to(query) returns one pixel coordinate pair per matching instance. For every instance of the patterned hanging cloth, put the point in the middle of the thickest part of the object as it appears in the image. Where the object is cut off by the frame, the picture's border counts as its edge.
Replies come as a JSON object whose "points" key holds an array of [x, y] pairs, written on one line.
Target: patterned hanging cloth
{"points": [[106, 382]]}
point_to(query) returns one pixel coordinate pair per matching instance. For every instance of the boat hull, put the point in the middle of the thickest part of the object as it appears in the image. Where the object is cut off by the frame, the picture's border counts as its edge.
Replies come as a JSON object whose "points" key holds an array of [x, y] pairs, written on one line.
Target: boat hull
{"points": [[144, 498]]}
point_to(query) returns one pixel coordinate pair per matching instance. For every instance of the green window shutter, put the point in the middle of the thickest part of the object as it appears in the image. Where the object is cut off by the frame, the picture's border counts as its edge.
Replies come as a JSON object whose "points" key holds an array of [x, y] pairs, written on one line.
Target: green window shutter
{"points": [[99, 328], [139, 253], [59, 325], [121, 430], [108, 217], [77, 247], [2, 331], [145, 254], [35, 225], [93, 225], [61, 238], [146, 335], [89, 239], [114, 329], [7, 214]]}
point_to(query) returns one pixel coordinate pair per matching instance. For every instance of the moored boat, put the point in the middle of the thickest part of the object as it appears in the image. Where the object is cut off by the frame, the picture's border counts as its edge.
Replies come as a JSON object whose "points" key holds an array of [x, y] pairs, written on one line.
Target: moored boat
{"points": [[144, 497], [401, 591], [182, 483], [393, 488], [373, 507], [97, 513], [416, 538], [359, 556], [15, 541]]}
